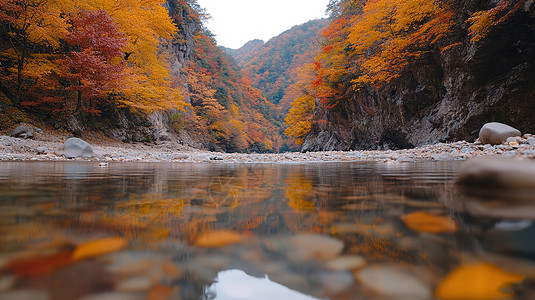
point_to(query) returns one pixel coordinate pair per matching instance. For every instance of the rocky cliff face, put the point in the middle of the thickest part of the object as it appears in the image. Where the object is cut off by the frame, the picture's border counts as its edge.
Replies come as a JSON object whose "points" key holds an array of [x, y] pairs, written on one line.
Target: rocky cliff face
{"points": [[129, 126], [446, 96]]}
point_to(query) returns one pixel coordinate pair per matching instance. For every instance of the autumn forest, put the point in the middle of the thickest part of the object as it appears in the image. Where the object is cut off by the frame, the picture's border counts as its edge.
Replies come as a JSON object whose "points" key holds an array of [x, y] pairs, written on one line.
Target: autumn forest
{"points": [[101, 64]]}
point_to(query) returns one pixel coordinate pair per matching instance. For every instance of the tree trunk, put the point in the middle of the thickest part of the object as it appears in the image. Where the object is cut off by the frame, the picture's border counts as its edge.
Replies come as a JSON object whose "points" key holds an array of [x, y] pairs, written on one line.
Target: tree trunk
{"points": [[18, 91], [75, 121], [79, 104]]}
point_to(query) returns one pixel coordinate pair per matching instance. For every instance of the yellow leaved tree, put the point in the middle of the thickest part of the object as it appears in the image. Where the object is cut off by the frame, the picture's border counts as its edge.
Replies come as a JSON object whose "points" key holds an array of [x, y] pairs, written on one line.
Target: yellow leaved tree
{"points": [[300, 115], [26, 25], [299, 118], [145, 23]]}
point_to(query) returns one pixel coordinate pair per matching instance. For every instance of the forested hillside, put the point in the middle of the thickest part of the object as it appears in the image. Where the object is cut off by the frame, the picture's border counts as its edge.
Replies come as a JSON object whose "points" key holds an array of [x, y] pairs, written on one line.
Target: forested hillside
{"points": [[376, 74], [137, 72], [272, 65], [398, 74]]}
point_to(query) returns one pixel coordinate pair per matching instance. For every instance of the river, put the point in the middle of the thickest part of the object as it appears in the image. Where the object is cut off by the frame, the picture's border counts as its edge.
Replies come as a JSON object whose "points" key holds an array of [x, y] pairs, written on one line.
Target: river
{"points": [[78, 230]]}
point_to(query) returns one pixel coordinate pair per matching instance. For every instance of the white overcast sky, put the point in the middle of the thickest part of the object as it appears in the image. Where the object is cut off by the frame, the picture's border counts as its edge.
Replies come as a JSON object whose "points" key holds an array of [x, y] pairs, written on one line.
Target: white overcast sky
{"points": [[235, 22]]}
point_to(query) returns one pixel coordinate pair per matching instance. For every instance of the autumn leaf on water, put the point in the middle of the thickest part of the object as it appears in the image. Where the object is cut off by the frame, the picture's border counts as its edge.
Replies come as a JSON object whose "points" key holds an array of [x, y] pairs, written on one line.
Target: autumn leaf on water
{"points": [[477, 281], [98, 247], [426, 222], [218, 238], [39, 265]]}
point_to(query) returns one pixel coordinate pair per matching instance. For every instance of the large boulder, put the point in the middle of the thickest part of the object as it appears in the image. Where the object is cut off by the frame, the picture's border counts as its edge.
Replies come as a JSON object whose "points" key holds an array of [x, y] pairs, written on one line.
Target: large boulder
{"points": [[498, 188], [495, 133], [75, 148], [25, 131], [484, 176]]}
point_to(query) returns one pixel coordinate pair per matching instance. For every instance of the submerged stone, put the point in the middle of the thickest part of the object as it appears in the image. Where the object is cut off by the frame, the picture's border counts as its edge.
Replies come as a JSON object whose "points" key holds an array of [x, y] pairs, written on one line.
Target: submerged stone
{"points": [[393, 283], [305, 247], [25, 295], [6, 282], [495, 177], [115, 296], [346, 263], [512, 237], [500, 208], [336, 282], [135, 284]]}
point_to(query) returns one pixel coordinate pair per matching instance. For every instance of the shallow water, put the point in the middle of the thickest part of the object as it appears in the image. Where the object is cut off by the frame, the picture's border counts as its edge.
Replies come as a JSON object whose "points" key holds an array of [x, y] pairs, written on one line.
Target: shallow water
{"points": [[245, 231]]}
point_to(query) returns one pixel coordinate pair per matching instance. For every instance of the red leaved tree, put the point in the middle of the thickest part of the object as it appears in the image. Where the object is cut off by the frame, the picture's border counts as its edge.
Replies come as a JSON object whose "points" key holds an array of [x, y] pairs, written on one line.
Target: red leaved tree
{"points": [[96, 65]]}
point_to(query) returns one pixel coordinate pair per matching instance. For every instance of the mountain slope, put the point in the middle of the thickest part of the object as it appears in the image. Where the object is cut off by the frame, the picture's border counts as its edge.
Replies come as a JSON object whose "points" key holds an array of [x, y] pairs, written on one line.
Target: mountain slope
{"points": [[271, 65], [87, 69]]}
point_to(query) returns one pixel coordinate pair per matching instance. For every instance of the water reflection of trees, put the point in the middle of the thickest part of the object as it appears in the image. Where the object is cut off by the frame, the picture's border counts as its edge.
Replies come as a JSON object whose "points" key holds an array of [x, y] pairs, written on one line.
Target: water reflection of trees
{"points": [[360, 204]]}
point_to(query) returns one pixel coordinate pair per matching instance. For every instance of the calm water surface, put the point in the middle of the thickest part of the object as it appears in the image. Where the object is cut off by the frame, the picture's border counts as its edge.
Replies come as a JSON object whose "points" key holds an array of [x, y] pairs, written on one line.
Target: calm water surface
{"points": [[241, 231]]}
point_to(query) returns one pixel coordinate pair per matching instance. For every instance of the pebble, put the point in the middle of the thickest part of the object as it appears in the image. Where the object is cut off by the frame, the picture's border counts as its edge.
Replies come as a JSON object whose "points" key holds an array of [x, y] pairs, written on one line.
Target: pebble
{"points": [[207, 266], [135, 284], [336, 282], [513, 225], [115, 296], [132, 266], [7, 282], [346, 263], [305, 247], [25, 295], [40, 150], [290, 280], [393, 283], [19, 149]]}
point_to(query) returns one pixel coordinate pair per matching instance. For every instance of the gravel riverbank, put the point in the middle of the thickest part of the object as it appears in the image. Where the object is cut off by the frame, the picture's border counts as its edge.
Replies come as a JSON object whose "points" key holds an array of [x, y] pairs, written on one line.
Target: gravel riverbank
{"points": [[17, 149]]}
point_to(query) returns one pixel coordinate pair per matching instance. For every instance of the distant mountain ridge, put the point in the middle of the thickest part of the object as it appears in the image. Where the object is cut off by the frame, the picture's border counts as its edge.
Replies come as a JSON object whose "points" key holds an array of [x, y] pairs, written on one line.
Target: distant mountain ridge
{"points": [[245, 51], [271, 64]]}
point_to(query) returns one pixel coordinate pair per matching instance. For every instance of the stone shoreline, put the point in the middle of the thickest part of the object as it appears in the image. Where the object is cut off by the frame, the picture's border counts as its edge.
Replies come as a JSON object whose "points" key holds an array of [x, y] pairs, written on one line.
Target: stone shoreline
{"points": [[17, 149]]}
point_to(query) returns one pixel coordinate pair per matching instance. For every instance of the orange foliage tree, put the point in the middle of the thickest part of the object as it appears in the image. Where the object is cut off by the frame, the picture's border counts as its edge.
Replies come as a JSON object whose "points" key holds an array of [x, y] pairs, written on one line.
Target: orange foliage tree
{"points": [[97, 68], [389, 35], [32, 32], [27, 26], [149, 86], [367, 43]]}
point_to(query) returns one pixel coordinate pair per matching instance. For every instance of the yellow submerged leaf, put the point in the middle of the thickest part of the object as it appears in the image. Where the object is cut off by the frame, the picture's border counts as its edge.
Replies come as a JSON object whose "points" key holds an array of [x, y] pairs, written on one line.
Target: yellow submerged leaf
{"points": [[477, 281], [98, 247], [426, 222], [218, 238]]}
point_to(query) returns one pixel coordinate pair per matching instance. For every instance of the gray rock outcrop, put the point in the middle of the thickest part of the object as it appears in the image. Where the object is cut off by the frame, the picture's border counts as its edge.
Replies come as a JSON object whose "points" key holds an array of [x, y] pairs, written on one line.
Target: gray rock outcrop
{"points": [[495, 133], [75, 148], [40, 150], [25, 131], [445, 96]]}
